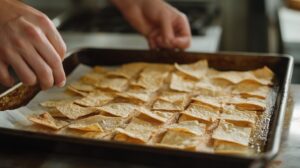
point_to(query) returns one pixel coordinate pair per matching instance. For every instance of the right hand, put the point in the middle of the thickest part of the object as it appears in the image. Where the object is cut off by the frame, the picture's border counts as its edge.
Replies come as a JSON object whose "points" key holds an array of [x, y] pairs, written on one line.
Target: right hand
{"points": [[30, 43]]}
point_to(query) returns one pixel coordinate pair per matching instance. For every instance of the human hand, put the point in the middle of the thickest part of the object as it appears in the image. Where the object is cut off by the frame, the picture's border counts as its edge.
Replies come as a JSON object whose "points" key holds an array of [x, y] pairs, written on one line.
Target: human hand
{"points": [[30, 44], [162, 25]]}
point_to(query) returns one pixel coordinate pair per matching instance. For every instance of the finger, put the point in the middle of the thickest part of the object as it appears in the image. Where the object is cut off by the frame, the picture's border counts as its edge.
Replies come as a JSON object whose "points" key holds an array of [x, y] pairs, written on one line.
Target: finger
{"points": [[167, 31], [24, 73], [181, 42], [51, 57], [39, 66], [41, 20], [5, 77], [151, 39]]}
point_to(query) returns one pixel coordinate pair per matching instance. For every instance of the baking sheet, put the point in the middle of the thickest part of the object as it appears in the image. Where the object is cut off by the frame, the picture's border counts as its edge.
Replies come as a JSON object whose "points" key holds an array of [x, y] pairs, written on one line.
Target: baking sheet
{"points": [[17, 118]]}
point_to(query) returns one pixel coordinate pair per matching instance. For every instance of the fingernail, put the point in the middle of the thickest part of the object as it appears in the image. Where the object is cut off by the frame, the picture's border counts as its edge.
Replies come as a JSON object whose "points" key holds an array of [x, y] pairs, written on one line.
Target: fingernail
{"points": [[61, 84]]}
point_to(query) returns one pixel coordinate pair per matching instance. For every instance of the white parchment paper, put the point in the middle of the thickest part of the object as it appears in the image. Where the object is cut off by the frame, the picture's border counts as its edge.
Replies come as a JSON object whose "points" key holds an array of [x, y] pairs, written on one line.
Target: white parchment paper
{"points": [[17, 118]]}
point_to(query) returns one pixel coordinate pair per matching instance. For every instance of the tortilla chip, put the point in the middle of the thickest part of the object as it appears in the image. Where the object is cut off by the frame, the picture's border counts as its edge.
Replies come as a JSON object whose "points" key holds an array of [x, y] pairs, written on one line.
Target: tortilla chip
{"points": [[251, 89], [171, 101], [118, 109], [95, 100], [114, 84], [100, 70], [231, 133], [250, 104], [222, 147], [128, 71], [153, 76], [264, 73], [72, 90], [136, 95], [92, 78], [73, 111], [202, 113], [137, 129], [95, 127], [157, 116], [193, 127], [196, 70], [82, 87], [47, 120], [55, 103], [205, 87], [167, 106], [214, 102], [180, 139], [238, 117], [55, 113], [181, 83]]}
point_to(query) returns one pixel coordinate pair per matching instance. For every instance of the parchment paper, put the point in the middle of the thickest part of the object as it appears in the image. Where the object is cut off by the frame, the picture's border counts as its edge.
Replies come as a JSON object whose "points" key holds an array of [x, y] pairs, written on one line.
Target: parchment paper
{"points": [[17, 118]]}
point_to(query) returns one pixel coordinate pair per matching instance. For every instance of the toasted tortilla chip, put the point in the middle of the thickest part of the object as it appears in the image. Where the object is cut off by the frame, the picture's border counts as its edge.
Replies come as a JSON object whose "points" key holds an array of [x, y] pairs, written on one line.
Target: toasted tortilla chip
{"points": [[136, 95], [167, 106], [264, 73], [238, 117], [222, 147], [128, 71], [181, 83], [55, 103], [115, 84], [95, 127], [47, 120], [55, 113], [118, 109], [73, 111], [95, 100], [137, 129], [193, 127], [180, 139], [231, 133], [214, 102], [158, 116], [202, 113], [72, 90], [196, 70], [92, 78], [100, 70], [206, 87], [251, 89], [173, 97], [153, 76], [250, 104], [82, 87]]}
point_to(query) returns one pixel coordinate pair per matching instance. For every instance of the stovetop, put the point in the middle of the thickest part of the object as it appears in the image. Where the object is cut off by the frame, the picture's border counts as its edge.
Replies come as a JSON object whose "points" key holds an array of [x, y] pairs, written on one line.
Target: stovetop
{"points": [[109, 19]]}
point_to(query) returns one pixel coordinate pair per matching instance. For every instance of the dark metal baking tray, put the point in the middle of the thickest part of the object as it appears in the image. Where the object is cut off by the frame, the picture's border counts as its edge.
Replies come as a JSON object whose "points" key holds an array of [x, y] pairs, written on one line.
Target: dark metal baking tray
{"points": [[33, 141]]}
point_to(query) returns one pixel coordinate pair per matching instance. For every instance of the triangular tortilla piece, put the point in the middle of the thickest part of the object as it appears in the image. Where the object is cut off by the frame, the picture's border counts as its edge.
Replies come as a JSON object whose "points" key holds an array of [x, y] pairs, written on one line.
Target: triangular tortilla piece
{"points": [[95, 100], [238, 117], [55, 103], [206, 87], [222, 147], [264, 73], [251, 89], [95, 127], [180, 139], [137, 129], [100, 70], [181, 83], [157, 116], [118, 109], [136, 95], [168, 106], [153, 76], [196, 70], [47, 120], [173, 97], [108, 124], [114, 84], [82, 87], [231, 133], [91, 78], [73, 111], [193, 127], [77, 92], [202, 113], [128, 71], [212, 101], [250, 104]]}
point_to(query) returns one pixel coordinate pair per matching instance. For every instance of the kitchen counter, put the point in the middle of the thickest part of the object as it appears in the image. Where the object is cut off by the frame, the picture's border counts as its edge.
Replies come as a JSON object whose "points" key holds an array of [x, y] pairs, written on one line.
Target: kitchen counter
{"points": [[288, 157]]}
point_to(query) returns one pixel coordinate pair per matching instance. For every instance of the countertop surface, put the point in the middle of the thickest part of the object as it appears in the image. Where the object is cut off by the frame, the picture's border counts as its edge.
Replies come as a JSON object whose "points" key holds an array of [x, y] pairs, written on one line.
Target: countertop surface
{"points": [[288, 157]]}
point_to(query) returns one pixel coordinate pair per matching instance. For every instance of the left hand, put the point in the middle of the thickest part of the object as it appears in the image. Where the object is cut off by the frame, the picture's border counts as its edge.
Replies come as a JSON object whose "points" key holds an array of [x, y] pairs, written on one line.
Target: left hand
{"points": [[162, 25]]}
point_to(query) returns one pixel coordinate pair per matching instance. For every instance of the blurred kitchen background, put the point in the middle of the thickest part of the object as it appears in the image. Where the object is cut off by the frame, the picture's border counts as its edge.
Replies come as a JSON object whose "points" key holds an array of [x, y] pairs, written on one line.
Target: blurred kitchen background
{"points": [[268, 26]]}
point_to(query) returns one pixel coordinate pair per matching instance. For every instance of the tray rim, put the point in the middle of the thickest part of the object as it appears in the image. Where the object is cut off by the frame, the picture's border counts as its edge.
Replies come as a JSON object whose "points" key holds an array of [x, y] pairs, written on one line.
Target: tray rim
{"points": [[263, 157]]}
